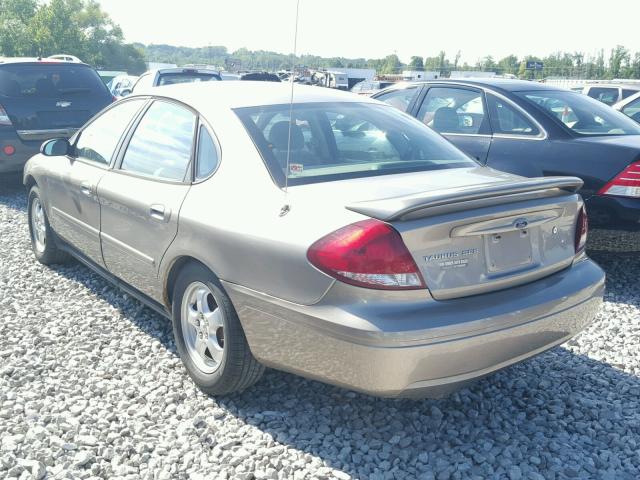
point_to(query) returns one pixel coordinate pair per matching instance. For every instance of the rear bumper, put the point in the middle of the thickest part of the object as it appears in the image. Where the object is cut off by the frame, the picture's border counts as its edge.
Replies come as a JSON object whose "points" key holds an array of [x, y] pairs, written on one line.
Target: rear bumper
{"points": [[621, 213], [24, 151], [421, 348]]}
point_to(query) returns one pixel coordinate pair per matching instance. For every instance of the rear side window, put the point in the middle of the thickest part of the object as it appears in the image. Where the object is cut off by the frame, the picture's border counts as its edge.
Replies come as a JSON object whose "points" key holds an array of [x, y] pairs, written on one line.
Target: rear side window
{"points": [[49, 80], [401, 98], [207, 159], [627, 93], [508, 120], [334, 141], [162, 142], [98, 141]]}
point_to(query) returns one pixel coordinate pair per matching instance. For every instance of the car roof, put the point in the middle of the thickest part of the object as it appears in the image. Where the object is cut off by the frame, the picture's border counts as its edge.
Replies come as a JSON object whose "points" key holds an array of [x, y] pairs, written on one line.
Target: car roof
{"points": [[183, 69], [207, 95], [504, 84], [38, 61]]}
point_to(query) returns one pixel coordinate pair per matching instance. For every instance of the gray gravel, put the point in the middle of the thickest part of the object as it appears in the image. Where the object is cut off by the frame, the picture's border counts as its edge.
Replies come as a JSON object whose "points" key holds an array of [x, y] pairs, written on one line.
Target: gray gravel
{"points": [[90, 386]]}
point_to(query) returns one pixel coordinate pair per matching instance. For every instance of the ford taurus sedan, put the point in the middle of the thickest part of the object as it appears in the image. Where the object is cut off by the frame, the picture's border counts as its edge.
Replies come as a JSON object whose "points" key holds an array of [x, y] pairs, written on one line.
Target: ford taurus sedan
{"points": [[336, 238], [534, 130]]}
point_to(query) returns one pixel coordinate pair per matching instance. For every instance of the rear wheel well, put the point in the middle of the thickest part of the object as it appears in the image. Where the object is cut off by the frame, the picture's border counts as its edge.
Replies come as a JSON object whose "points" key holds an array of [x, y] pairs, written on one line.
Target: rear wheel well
{"points": [[175, 270]]}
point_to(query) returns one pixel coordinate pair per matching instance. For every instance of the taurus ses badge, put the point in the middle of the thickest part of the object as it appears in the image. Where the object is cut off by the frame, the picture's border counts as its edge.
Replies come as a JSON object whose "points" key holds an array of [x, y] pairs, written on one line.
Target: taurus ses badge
{"points": [[520, 224], [63, 104]]}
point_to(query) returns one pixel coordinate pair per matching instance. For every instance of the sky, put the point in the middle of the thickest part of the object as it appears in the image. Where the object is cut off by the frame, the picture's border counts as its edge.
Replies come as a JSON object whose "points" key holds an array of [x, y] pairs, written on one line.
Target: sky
{"points": [[374, 28]]}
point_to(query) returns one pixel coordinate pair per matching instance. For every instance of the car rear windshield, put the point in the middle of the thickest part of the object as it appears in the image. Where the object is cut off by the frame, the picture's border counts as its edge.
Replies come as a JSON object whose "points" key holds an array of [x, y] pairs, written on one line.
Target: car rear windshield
{"points": [[582, 114], [335, 141], [49, 80], [172, 78]]}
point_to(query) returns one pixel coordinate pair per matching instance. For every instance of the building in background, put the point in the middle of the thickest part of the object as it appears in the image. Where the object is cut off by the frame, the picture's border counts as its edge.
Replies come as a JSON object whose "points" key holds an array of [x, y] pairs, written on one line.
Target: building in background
{"points": [[417, 75]]}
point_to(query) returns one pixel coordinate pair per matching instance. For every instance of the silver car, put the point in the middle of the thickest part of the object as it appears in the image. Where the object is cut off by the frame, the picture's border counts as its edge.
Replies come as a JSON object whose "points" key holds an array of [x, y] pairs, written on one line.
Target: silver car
{"points": [[334, 237]]}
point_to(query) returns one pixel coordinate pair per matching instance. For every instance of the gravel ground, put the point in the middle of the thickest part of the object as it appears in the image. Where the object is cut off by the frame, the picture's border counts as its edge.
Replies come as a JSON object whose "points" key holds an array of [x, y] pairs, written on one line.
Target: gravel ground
{"points": [[90, 386]]}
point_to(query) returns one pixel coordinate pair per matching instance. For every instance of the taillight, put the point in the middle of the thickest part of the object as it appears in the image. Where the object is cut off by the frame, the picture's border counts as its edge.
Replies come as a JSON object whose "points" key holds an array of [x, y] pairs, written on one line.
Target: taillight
{"points": [[368, 254], [4, 117], [582, 229], [626, 183]]}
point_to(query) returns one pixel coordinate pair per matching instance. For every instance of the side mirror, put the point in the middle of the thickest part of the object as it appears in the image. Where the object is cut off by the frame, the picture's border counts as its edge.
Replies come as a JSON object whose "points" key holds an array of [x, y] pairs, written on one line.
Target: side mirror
{"points": [[125, 92], [55, 147]]}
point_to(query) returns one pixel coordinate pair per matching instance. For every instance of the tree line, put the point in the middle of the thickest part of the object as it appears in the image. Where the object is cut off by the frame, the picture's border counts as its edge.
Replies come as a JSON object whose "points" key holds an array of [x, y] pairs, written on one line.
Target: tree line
{"points": [[83, 29], [75, 27], [620, 62]]}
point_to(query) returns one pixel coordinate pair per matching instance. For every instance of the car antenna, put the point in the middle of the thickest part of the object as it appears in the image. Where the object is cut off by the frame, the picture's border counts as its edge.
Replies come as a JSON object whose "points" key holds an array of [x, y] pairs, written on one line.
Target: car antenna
{"points": [[286, 207]]}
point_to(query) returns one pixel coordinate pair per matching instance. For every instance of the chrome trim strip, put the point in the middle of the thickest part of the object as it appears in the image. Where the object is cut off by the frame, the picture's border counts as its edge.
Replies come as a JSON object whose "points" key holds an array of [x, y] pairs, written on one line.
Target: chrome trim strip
{"points": [[46, 134], [458, 134], [85, 226], [127, 248]]}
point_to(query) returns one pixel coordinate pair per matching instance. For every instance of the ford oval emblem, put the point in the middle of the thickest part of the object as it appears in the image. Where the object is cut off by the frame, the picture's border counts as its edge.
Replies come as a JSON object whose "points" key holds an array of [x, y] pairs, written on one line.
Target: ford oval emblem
{"points": [[520, 224]]}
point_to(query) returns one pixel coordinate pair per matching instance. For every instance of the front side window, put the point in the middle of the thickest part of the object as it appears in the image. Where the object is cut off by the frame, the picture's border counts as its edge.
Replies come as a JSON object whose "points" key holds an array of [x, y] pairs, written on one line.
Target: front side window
{"points": [[453, 110], [334, 141], [162, 142], [98, 141], [401, 98], [506, 119], [581, 114], [605, 95]]}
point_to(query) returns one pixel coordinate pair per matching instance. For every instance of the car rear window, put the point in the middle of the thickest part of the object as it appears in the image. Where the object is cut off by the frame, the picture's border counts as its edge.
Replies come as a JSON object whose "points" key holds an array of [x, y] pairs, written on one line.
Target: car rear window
{"points": [[581, 114], [49, 80], [172, 78], [334, 141]]}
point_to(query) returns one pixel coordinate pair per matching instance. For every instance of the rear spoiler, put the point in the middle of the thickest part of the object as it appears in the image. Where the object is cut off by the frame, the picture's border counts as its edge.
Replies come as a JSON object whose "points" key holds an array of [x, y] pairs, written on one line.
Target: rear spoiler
{"points": [[450, 200]]}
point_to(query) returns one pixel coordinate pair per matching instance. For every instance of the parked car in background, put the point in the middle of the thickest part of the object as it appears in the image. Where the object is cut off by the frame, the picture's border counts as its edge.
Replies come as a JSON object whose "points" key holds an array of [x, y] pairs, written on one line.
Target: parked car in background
{"points": [[171, 76], [260, 77], [630, 106], [533, 130], [610, 93], [122, 85], [43, 99], [394, 265], [367, 87], [65, 58]]}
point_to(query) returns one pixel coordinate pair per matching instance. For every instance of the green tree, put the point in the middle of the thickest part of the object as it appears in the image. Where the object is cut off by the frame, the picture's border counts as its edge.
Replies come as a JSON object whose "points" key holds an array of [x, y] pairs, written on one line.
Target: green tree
{"points": [[14, 33], [76, 27], [391, 65], [416, 63]]}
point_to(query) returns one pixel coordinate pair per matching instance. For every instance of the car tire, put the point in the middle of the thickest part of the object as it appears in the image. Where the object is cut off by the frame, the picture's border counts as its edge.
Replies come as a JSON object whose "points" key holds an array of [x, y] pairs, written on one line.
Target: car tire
{"points": [[209, 336], [43, 238]]}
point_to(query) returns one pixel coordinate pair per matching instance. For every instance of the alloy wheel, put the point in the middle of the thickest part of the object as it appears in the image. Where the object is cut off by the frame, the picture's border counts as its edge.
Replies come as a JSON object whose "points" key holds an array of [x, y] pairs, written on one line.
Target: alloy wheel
{"points": [[202, 327]]}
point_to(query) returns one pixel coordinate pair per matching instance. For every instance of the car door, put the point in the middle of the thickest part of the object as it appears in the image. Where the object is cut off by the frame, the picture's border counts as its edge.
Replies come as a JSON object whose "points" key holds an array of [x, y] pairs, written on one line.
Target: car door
{"points": [[141, 197], [71, 188], [519, 144], [459, 114]]}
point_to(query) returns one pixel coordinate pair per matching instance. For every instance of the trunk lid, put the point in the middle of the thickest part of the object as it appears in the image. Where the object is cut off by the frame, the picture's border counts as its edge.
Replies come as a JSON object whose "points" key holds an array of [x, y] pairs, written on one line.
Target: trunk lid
{"points": [[464, 227], [472, 239]]}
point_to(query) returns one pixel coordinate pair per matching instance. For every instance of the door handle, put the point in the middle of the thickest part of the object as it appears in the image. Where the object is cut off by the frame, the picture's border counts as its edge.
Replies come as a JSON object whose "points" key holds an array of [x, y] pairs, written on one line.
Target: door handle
{"points": [[86, 188], [158, 212]]}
